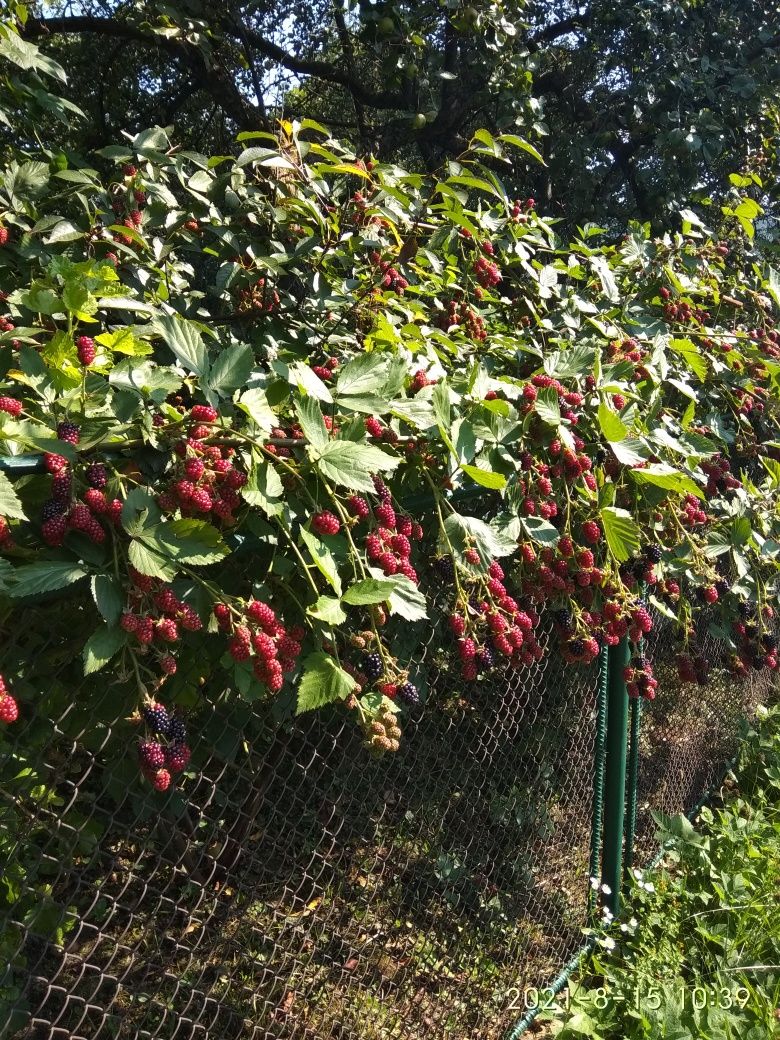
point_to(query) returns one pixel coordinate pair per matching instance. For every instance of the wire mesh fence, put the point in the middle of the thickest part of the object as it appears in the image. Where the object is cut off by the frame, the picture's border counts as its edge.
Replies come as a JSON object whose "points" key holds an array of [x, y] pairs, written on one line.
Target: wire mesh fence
{"points": [[294, 886]]}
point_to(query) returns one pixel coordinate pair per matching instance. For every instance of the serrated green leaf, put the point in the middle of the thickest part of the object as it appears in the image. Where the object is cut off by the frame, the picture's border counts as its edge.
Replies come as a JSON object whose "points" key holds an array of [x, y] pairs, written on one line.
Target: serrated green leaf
{"points": [[485, 477], [312, 423], [612, 426], [264, 488], [621, 532], [44, 576], [667, 477], [329, 610], [540, 530], [352, 465], [10, 506], [406, 600], [186, 343], [186, 541], [365, 374], [322, 682], [371, 590], [255, 403], [101, 646], [107, 594], [231, 369], [309, 382], [465, 531], [323, 558], [548, 407], [150, 561]]}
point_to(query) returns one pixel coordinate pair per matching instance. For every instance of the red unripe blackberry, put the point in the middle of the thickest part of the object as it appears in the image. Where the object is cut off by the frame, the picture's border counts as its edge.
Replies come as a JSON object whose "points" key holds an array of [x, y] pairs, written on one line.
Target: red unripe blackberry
{"points": [[151, 754], [239, 650], [388, 689], [374, 427], [189, 619], [167, 600], [591, 532], [80, 518], [9, 709], [467, 649], [203, 413], [115, 510], [585, 559], [177, 756], [55, 464], [529, 393], [194, 468], [619, 401], [3, 236], [405, 568], [565, 546], [221, 612], [457, 624], [85, 348], [358, 507], [710, 594], [264, 646], [388, 563], [10, 405], [472, 556], [201, 500], [61, 486], [528, 553], [166, 630], [96, 476], [161, 780], [144, 633], [264, 616], [235, 479], [386, 514], [129, 621], [68, 432], [137, 217], [275, 682], [96, 501], [199, 433], [326, 523], [54, 530]]}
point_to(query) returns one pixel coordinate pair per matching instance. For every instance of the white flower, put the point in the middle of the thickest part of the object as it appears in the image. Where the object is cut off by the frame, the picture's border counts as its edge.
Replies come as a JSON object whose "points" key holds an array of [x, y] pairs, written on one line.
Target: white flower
{"points": [[608, 943], [633, 923], [637, 874], [606, 890], [649, 886], [594, 883]]}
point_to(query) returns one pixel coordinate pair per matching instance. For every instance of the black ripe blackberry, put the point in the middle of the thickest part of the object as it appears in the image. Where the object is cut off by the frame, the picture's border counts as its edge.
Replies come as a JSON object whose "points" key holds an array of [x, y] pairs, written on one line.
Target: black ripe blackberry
{"points": [[445, 567], [638, 568], [652, 553], [577, 647], [61, 486], [52, 509], [484, 657], [96, 475], [640, 662], [723, 586], [769, 641], [751, 631], [177, 731], [372, 665], [564, 619], [743, 609], [157, 718], [600, 456], [68, 432], [407, 692]]}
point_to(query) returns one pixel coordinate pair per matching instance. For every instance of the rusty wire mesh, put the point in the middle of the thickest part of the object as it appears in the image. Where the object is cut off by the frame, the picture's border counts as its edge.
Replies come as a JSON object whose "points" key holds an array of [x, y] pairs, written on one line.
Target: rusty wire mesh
{"points": [[293, 885]]}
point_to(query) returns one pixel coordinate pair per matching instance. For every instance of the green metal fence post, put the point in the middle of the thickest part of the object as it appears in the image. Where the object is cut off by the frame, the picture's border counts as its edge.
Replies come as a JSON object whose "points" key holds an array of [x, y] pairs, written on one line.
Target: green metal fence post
{"points": [[599, 753], [615, 774], [633, 780]]}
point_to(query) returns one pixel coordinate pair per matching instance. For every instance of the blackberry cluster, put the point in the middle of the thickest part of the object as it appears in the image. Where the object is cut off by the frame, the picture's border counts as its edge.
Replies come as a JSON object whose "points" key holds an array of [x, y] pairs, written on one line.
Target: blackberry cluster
{"points": [[168, 751], [382, 732]]}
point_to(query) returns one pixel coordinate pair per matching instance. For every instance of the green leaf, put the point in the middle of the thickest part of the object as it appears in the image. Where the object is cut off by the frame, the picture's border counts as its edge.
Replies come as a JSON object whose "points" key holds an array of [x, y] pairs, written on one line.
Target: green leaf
{"points": [[371, 590], [231, 369], [524, 146], [329, 610], [464, 531], [312, 424], [351, 465], [365, 374], [485, 477], [185, 341], [10, 506], [540, 530], [107, 594], [548, 407], [186, 541], [101, 647], [612, 426], [621, 532], [64, 231], [323, 558], [630, 451], [773, 285], [691, 356], [668, 477], [255, 403], [406, 600], [44, 576], [150, 562], [139, 511], [322, 682], [309, 382], [264, 488]]}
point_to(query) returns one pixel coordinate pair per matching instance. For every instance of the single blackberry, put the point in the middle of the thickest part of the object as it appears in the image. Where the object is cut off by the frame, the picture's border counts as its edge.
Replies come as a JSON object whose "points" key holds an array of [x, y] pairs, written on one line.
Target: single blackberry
{"points": [[96, 475], [751, 631], [445, 567], [407, 692], [61, 485], [52, 509], [652, 553], [638, 568], [564, 619], [600, 456], [484, 657], [177, 731], [157, 718], [68, 432], [723, 586], [577, 647], [640, 662], [372, 665], [151, 754], [743, 609], [769, 641]]}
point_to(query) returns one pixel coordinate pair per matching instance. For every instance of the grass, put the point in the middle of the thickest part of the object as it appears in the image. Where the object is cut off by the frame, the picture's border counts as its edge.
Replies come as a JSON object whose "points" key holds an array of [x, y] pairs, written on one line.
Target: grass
{"points": [[697, 953]]}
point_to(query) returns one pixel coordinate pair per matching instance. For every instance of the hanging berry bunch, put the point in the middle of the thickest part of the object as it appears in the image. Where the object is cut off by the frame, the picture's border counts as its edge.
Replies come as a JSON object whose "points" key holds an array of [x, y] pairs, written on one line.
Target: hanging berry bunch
{"points": [[165, 750]]}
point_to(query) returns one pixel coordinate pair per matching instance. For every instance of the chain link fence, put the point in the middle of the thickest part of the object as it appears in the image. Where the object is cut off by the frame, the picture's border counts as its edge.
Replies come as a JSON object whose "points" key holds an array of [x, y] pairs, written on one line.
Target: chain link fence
{"points": [[294, 886]]}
